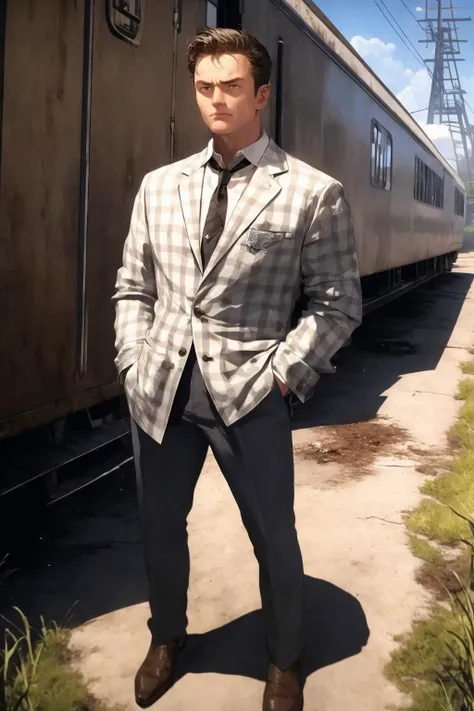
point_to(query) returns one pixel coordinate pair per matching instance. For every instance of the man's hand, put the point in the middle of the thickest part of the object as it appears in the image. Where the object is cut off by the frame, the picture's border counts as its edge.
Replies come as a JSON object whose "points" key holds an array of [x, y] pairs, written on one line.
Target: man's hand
{"points": [[284, 389]]}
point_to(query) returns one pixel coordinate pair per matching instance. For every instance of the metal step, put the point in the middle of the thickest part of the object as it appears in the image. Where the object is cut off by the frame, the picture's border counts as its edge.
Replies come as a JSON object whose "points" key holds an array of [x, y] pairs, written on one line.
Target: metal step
{"points": [[17, 468], [61, 488]]}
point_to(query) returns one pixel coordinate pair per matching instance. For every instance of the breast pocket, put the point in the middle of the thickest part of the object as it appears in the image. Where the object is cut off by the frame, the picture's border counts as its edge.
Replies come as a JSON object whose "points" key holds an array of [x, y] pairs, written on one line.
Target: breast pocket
{"points": [[260, 240]]}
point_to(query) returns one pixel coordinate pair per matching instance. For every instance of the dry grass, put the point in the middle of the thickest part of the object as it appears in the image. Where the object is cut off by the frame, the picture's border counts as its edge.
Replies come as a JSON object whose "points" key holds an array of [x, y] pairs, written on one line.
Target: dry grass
{"points": [[419, 666], [36, 672], [354, 446], [468, 367]]}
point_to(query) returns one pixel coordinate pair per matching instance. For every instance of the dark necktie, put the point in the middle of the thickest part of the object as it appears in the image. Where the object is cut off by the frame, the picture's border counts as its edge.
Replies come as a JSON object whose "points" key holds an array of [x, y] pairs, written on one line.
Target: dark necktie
{"points": [[216, 216]]}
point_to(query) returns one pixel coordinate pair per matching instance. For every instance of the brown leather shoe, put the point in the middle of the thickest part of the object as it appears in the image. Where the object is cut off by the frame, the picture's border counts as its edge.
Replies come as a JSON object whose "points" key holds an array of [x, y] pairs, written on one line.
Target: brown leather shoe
{"points": [[155, 675], [283, 691]]}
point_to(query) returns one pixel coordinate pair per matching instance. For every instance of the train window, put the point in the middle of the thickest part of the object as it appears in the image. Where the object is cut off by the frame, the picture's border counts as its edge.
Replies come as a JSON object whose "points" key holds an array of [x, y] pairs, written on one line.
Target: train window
{"points": [[125, 19], [388, 163], [458, 202], [211, 13], [428, 185], [381, 157]]}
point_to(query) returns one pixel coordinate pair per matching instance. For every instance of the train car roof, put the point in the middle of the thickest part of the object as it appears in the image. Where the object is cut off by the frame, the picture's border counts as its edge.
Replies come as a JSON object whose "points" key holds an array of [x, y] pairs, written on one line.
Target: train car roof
{"points": [[339, 45]]}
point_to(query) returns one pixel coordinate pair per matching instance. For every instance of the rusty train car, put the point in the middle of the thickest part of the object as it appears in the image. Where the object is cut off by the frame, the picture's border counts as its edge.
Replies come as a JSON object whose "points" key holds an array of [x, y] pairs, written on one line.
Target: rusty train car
{"points": [[94, 94]]}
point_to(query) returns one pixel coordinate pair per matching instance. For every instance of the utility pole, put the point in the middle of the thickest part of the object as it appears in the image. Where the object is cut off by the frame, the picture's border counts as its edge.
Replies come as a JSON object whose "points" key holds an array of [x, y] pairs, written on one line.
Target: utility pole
{"points": [[447, 103]]}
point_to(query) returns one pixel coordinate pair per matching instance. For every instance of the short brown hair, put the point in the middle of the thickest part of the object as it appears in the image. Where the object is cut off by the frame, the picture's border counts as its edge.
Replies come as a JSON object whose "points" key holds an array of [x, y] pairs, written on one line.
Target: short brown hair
{"points": [[215, 41]]}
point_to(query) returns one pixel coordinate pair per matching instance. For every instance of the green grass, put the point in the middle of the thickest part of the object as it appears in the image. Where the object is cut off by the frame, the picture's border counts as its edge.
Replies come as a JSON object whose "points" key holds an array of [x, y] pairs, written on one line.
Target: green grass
{"points": [[418, 664], [455, 489], [469, 229], [423, 549], [434, 521], [36, 673], [462, 433], [465, 390], [468, 367], [455, 486]]}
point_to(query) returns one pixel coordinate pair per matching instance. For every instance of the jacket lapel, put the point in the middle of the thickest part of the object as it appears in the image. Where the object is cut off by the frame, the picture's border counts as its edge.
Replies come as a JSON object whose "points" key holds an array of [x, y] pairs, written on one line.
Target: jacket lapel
{"points": [[261, 191], [190, 192]]}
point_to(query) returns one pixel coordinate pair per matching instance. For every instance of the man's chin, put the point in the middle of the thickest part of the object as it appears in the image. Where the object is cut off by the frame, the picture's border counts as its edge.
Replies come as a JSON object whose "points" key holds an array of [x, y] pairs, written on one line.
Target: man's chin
{"points": [[220, 127]]}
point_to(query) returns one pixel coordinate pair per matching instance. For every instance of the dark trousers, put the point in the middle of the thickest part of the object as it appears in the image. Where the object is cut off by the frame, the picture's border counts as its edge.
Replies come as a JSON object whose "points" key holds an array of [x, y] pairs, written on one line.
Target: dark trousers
{"points": [[256, 458]]}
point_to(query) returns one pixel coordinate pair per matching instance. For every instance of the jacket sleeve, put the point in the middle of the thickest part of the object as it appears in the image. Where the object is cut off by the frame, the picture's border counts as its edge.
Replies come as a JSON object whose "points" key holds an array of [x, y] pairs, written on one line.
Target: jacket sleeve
{"points": [[135, 288], [331, 283]]}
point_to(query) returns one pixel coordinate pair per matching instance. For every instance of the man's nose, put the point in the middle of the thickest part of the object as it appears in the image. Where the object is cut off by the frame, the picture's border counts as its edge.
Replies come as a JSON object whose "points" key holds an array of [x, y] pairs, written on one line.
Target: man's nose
{"points": [[218, 96]]}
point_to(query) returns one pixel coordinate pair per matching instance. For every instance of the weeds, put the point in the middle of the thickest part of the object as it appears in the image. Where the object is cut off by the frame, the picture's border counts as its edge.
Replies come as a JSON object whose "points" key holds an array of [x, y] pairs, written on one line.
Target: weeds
{"points": [[468, 367], [435, 662], [423, 549], [454, 488], [36, 672]]}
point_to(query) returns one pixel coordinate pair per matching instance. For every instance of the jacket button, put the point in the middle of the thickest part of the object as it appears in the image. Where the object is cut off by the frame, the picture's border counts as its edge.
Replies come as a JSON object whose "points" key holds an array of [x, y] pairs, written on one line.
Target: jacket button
{"points": [[182, 351], [207, 359], [199, 313], [168, 365]]}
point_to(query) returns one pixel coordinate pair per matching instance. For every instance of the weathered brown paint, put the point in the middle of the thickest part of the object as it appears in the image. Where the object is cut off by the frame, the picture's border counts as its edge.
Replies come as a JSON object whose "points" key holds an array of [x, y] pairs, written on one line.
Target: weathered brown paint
{"points": [[131, 93], [39, 202]]}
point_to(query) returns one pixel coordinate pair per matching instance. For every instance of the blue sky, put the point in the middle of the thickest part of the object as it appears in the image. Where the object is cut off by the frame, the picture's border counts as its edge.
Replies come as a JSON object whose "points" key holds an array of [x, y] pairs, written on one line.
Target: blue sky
{"points": [[363, 24]]}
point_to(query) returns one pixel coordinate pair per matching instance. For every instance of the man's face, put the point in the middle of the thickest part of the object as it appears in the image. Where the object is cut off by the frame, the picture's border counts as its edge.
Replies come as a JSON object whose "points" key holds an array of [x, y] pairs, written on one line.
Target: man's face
{"points": [[225, 91]]}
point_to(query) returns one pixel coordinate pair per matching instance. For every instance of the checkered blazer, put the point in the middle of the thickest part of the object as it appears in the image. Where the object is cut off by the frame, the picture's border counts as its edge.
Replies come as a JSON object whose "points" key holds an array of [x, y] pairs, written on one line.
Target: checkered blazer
{"points": [[291, 227]]}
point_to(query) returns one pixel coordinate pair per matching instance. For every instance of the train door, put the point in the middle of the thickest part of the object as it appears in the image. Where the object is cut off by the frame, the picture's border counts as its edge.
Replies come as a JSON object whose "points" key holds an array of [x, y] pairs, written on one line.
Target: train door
{"points": [[143, 114], [191, 133], [127, 134], [41, 64]]}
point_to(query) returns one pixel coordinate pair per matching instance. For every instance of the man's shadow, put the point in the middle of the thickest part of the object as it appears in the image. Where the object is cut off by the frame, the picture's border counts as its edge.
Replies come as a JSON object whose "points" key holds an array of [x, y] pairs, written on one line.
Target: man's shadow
{"points": [[334, 628]]}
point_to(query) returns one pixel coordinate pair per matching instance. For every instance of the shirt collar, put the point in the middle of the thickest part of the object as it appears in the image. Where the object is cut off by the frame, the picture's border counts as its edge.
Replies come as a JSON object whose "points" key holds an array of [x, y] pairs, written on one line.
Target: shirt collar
{"points": [[254, 152]]}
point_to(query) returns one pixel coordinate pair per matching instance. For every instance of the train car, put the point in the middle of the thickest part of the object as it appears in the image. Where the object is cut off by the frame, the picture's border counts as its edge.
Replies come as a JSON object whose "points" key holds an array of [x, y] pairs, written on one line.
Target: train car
{"points": [[94, 94]]}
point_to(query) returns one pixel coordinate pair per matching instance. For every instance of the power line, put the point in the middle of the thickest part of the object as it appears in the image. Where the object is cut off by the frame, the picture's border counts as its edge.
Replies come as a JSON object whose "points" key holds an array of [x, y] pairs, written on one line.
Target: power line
{"points": [[403, 32], [411, 13], [447, 98], [417, 56], [395, 30]]}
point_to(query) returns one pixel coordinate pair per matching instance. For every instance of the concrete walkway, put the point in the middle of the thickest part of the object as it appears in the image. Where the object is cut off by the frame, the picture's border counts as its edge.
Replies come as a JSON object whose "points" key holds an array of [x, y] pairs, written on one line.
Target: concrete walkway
{"points": [[354, 480], [361, 589]]}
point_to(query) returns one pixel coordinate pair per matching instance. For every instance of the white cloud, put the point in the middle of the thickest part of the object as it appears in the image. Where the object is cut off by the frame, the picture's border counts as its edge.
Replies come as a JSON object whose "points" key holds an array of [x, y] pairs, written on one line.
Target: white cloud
{"points": [[412, 88], [419, 9], [380, 56], [441, 137], [415, 95]]}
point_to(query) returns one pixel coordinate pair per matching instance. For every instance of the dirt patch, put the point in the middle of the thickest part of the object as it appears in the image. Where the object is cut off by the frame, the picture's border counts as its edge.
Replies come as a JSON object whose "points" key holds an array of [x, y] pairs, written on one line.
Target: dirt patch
{"points": [[432, 469], [440, 579], [434, 461], [354, 446], [425, 452]]}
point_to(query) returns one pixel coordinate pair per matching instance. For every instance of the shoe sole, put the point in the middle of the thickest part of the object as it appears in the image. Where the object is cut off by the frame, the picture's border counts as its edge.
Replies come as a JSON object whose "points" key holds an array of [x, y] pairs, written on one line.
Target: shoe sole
{"points": [[162, 692], [157, 697]]}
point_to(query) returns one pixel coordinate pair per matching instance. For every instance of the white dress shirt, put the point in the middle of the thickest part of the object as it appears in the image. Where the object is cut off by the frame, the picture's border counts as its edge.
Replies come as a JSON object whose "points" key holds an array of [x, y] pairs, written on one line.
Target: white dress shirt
{"points": [[238, 181]]}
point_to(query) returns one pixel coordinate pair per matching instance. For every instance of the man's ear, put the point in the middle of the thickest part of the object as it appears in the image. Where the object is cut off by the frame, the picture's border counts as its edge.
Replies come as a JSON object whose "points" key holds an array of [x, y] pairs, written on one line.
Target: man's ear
{"points": [[263, 96]]}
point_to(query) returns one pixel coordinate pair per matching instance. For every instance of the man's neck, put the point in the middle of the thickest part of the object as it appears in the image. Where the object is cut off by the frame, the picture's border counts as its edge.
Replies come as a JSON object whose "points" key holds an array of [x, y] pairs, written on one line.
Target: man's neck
{"points": [[228, 146]]}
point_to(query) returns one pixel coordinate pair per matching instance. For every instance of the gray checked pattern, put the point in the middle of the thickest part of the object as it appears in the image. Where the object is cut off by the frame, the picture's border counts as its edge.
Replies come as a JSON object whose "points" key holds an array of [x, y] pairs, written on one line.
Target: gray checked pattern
{"points": [[291, 227]]}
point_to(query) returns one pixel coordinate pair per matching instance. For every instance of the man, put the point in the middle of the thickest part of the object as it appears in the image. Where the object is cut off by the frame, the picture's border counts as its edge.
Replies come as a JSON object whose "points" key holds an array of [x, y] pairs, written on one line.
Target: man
{"points": [[218, 249]]}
